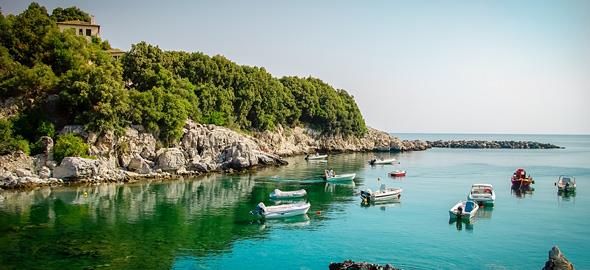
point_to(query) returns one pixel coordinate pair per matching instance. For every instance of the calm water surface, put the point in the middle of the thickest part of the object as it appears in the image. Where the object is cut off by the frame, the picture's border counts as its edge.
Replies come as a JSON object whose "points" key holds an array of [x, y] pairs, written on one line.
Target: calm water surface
{"points": [[203, 223]]}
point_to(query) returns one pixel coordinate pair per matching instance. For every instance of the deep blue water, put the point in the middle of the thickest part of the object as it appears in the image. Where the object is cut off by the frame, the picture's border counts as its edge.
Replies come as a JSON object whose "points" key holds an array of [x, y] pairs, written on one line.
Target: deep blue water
{"points": [[203, 223]]}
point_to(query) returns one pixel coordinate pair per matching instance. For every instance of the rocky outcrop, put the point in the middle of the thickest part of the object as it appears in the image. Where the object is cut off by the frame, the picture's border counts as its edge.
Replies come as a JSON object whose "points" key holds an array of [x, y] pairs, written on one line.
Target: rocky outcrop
{"points": [[77, 168], [491, 144], [171, 159], [557, 261], [301, 140], [201, 149], [350, 265]]}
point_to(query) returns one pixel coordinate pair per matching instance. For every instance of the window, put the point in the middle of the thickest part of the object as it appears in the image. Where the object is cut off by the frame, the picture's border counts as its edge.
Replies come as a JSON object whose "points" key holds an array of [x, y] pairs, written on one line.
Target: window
{"points": [[80, 32], [88, 32]]}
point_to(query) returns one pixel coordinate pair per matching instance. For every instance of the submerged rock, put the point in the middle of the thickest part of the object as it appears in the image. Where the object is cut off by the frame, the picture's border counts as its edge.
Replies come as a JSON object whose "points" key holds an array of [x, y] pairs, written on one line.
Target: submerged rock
{"points": [[557, 261], [350, 265]]}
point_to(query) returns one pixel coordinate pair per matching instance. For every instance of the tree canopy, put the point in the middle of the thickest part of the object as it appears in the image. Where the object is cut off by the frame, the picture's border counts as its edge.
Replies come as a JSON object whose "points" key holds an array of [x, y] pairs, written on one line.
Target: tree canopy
{"points": [[70, 80]]}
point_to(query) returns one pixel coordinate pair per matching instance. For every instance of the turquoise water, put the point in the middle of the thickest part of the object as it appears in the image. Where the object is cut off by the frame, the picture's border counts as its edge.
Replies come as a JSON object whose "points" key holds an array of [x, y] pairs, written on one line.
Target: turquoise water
{"points": [[203, 223]]}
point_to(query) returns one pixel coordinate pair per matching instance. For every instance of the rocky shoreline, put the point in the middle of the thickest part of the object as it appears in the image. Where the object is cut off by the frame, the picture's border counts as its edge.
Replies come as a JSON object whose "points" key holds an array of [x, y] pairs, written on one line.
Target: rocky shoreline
{"points": [[477, 144], [135, 155], [556, 261]]}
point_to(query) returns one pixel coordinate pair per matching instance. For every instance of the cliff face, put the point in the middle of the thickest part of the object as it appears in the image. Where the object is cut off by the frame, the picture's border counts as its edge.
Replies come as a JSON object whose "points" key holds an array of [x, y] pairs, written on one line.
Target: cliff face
{"points": [[301, 140], [202, 148]]}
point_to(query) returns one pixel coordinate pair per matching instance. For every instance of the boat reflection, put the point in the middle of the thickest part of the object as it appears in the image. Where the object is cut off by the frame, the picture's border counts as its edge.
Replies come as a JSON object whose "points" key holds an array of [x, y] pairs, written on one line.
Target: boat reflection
{"points": [[484, 213], [333, 186], [522, 192], [566, 198], [383, 205], [460, 223], [285, 223]]}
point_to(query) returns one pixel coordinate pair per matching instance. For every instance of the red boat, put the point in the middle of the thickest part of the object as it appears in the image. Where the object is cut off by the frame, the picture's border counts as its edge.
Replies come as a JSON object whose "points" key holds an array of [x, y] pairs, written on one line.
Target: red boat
{"points": [[520, 179], [397, 173]]}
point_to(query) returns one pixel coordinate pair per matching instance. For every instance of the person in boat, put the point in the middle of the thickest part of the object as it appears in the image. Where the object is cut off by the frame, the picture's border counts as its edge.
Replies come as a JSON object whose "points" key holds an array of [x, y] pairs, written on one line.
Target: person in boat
{"points": [[331, 173], [459, 210]]}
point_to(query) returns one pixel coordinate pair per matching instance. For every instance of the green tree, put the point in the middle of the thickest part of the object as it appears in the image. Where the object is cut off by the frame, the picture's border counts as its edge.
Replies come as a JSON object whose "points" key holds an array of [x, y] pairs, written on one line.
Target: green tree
{"points": [[69, 145], [69, 14]]}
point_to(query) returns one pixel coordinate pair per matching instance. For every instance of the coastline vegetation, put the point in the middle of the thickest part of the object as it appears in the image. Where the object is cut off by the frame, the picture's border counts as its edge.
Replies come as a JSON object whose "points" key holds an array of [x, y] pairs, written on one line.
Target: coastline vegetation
{"points": [[63, 79]]}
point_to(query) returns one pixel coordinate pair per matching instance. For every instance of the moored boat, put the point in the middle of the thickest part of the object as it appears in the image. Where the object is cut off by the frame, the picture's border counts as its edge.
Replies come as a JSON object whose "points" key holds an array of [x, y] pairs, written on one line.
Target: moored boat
{"points": [[463, 210], [521, 179], [330, 176], [397, 173], [482, 194], [381, 161], [316, 157], [566, 183], [383, 194], [281, 211], [279, 194]]}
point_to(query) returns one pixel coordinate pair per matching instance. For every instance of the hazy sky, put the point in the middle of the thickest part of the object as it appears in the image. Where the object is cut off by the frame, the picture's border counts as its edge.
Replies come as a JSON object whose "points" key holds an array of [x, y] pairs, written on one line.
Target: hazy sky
{"points": [[413, 66]]}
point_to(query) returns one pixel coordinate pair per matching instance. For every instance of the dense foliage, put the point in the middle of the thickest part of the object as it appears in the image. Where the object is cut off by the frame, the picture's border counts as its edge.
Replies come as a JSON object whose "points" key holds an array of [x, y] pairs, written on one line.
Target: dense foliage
{"points": [[69, 145], [70, 14], [66, 79]]}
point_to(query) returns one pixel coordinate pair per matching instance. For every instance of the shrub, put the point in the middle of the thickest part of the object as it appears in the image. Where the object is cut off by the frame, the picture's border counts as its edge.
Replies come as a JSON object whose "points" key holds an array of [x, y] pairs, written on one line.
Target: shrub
{"points": [[69, 145], [10, 143]]}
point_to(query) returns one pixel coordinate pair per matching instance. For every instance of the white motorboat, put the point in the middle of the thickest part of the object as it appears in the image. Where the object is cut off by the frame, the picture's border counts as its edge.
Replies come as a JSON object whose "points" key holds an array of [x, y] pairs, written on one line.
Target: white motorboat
{"points": [[330, 176], [566, 183], [381, 161], [279, 194], [463, 210], [281, 211], [383, 194], [315, 157], [482, 194]]}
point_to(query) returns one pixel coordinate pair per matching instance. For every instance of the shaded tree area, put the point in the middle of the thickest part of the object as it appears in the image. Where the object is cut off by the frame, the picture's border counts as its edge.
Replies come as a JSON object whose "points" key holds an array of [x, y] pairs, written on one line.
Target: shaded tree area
{"points": [[148, 86]]}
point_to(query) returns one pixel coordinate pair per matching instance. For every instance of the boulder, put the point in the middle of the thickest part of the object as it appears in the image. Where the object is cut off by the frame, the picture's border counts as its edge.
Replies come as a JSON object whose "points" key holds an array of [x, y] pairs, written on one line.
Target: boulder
{"points": [[139, 165], [171, 159], [557, 261], [76, 168], [44, 173], [23, 173]]}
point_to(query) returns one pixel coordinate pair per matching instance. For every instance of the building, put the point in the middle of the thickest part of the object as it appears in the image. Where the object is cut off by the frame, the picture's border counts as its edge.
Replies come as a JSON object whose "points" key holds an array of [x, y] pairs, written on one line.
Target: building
{"points": [[87, 30], [81, 28], [116, 53]]}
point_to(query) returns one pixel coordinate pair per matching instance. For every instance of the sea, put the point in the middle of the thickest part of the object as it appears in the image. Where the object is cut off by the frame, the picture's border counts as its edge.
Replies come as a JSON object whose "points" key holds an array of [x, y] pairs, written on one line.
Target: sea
{"points": [[205, 222]]}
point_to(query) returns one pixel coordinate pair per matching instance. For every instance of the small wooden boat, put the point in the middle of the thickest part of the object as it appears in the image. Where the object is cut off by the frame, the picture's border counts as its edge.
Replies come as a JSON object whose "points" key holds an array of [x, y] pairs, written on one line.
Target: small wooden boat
{"points": [[463, 210], [281, 211], [316, 157], [279, 194], [397, 173], [383, 194], [520, 179], [381, 161], [566, 183], [482, 194], [330, 176]]}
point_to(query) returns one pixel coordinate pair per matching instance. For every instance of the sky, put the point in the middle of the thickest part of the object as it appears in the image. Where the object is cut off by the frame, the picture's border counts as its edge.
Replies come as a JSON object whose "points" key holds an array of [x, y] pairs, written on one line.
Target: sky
{"points": [[413, 66]]}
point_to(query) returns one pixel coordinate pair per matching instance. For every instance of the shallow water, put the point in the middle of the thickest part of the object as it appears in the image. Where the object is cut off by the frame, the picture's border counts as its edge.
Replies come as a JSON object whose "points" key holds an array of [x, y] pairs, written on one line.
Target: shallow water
{"points": [[204, 223]]}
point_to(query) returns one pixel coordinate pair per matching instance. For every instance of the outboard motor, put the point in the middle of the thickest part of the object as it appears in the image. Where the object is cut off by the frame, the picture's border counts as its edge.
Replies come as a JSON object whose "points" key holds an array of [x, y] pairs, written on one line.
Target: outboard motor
{"points": [[259, 209]]}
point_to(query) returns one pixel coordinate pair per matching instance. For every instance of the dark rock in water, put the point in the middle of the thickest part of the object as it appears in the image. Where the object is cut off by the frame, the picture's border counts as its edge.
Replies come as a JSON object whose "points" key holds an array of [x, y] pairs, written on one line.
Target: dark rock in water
{"points": [[557, 261], [491, 144], [350, 265]]}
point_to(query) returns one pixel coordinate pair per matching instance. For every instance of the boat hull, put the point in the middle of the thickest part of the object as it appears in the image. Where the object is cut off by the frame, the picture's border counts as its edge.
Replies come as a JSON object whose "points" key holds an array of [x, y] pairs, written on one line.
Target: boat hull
{"points": [[282, 211], [454, 212], [288, 194], [316, 157], [382, 196], [341, 178]]}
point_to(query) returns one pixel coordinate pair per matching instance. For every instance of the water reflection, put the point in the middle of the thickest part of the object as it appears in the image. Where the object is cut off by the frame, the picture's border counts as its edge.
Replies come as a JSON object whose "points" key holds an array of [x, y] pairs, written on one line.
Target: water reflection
{"points": [[295, 222], [522, 192], [566, 199], [484, 213], [460, 223]]}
